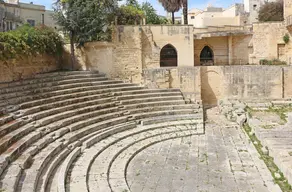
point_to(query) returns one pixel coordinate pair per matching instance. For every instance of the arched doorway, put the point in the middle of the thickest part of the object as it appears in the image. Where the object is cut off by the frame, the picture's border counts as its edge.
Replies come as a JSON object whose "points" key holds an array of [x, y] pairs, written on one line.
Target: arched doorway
{"points": [[207, 56], [168, 56]]}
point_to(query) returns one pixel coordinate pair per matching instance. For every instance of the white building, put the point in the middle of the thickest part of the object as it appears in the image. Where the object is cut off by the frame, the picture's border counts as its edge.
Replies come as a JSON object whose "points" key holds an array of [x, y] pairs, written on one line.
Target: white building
{"points": [[236, 15], [14, 13]]}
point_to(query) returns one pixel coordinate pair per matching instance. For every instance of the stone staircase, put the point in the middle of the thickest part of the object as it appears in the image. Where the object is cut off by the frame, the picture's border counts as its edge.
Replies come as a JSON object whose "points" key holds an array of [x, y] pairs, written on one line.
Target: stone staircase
{"points": [[77, 131]]}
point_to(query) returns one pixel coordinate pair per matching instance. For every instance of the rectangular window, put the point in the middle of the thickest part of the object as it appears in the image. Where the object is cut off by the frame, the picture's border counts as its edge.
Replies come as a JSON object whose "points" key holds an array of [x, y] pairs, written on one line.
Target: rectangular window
{"points": [[192, 17], [43, 19], [31, 22], [11, 26]]}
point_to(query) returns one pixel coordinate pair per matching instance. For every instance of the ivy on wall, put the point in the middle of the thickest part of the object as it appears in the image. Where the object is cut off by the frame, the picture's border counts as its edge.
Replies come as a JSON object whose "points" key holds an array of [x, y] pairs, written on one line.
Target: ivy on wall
{"points": [[28, 40]]}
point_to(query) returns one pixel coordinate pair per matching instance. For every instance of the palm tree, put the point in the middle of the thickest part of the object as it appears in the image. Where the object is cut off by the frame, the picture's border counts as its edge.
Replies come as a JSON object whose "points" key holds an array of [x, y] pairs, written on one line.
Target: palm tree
{"points": [[171, 6], [185, 11]]}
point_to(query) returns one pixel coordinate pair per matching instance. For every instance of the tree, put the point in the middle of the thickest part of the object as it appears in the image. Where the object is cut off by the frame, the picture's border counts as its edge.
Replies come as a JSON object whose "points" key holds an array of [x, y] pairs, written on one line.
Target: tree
{"points": [[133, 3], [151, 16], [272, 11], [171, 6], [129, 15], [84, 20], [185, 11]]}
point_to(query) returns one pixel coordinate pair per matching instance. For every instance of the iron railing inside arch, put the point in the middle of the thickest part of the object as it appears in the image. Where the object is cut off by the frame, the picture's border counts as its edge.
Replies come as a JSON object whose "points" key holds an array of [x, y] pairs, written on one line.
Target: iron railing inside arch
{"points": [[289, 20]]}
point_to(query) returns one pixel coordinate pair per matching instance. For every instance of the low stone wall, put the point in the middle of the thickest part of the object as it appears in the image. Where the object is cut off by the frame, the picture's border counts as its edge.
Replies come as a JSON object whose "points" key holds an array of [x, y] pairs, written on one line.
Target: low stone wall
{"points": [[27, 67], [185, 78]]}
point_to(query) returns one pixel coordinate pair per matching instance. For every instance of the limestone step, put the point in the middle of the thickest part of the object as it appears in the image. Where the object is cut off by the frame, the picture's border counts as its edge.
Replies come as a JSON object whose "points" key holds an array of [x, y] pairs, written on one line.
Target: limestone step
{"points": [[36, 85], [124, 135], [16, 93], [151, 99], [144, 91], [168, 118], [64, 73], [118, 165], [154, 103], [158, 114], [47, 116], [66, 103], [164, 108], [5, 119], [43, 78], [43, 158], [148, 95], [112, 86], [99, 154], [67, 124]]}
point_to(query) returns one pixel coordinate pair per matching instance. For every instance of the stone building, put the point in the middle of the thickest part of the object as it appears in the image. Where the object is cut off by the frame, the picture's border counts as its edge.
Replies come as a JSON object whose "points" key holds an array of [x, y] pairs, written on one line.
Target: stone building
{"points": [[14, 13], [235, 15]]}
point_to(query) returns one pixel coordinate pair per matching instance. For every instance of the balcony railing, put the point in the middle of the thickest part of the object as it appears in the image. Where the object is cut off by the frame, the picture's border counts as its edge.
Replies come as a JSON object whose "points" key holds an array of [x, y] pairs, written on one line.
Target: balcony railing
{"points": [[289, 21]]}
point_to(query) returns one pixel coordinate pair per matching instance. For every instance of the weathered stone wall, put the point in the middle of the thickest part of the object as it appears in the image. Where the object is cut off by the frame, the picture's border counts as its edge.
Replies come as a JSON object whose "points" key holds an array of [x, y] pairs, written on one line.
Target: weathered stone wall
{"points": [[241, 48], [127, 53], [267, 40], [287, 81], [241, 82], [219, 45], [185, 78], [27, 67], [180, 36]]}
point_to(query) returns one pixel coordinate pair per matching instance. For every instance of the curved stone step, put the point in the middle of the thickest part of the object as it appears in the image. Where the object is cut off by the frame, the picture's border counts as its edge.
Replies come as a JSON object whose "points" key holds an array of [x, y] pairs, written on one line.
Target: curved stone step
{"points": [[62, 127], [161, 119], [117, 169], [147, 95], [155, 103], [164, 108], [41, 79], [145, 91], [158, 114], [75, 92], [102, 150], [57, 90], [128, 134], [44, 158], [52, 83], [45, 117], [151, 99]]}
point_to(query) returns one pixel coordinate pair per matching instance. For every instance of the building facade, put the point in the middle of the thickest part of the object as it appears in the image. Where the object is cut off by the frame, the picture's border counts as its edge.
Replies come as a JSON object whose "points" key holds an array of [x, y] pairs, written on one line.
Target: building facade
{"points": [[236, 15], [14, 13]]}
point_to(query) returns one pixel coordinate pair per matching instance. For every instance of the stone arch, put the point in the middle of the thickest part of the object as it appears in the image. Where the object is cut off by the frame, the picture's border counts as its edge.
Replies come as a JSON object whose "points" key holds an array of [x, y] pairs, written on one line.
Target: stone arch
{"points": [[168, 56], [207, 56]]}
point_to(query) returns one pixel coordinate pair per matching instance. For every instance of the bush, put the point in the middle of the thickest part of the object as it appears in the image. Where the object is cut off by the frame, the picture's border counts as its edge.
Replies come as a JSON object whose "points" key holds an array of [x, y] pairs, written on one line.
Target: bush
{"points": [[272, 62], [28, 40], [272, 11], [286, 38], [129, 15]]}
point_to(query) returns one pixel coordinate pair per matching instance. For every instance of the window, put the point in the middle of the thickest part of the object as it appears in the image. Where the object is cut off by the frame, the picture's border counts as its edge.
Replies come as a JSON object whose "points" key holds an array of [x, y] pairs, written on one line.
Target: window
{"points": [[31, 22], [168, 56], [192, 17], [11, 26], [43, 19], [254, 7]]}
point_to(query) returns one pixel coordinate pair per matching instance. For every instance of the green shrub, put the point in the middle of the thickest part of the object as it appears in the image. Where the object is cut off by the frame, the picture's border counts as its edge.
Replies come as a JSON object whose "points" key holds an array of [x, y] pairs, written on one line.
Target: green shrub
{"points": [[272, 62], [28, 40], [286, 38]]}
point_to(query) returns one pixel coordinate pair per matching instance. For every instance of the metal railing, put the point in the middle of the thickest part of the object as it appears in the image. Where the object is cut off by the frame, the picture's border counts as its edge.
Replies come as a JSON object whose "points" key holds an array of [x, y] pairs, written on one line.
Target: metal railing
{"points": [[289, 20]]}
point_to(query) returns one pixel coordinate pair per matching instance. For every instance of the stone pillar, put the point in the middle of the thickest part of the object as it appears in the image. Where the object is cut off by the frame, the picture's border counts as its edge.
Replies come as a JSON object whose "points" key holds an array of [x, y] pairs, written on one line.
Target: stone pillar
{"points": [[230, 50]]}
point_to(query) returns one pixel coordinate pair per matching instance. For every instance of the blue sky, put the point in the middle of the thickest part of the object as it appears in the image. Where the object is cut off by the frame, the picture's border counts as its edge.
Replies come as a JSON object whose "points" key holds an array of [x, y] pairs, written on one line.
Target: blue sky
{"points": [[200, 4]]}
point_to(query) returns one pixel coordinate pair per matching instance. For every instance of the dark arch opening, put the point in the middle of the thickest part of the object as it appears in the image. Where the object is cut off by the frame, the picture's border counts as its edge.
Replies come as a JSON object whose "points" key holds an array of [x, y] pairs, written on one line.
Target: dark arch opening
{"points": [[168, 56], [207, 56]]}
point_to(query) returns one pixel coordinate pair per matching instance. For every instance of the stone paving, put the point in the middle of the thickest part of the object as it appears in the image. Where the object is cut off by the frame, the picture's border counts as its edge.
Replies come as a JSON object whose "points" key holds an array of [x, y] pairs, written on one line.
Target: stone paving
{"points": [[220, 160], [277, 138]]}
